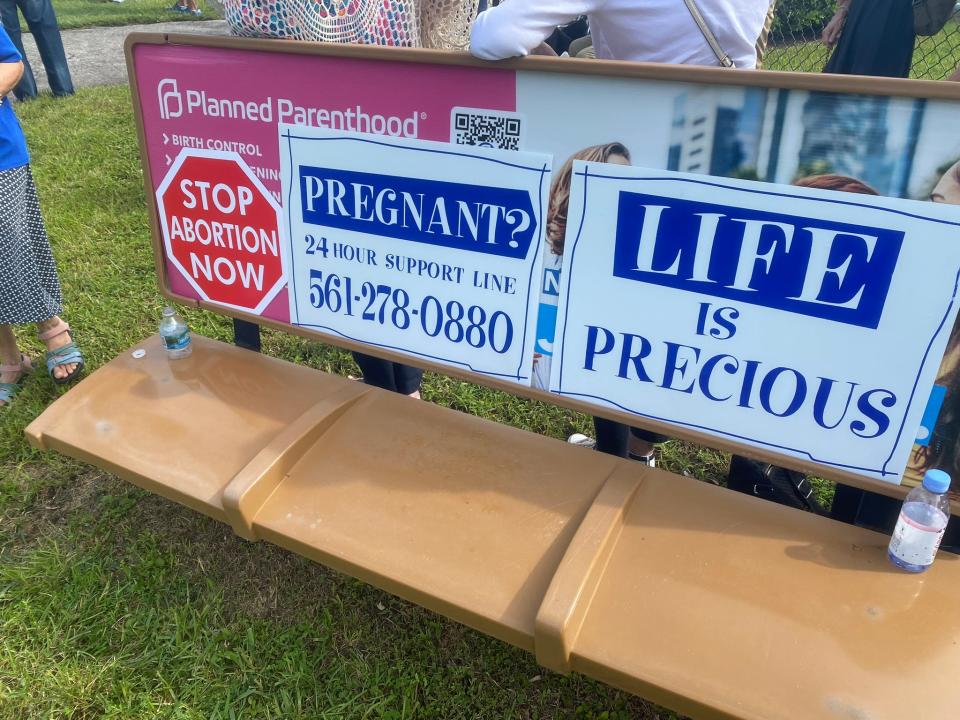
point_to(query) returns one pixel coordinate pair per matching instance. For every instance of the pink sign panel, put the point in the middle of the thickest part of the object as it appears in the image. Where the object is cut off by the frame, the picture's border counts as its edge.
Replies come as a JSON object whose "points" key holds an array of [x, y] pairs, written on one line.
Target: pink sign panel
{"points": [[231, 101]]}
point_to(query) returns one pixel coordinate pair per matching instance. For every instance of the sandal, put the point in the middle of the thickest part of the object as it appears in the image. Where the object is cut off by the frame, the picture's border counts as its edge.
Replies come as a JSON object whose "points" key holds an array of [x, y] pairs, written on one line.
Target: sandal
{"points": [[9, 390], [66, 355]]}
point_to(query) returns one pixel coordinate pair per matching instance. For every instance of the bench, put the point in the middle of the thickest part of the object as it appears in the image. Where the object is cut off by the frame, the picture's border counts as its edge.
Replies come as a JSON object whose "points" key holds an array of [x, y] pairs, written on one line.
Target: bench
{"points": [[709, 602], [706, 601]]}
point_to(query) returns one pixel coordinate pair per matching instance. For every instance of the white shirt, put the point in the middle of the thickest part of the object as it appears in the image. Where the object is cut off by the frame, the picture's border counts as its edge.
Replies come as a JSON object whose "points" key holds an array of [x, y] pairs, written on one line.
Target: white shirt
{"points": [[660, 31]]}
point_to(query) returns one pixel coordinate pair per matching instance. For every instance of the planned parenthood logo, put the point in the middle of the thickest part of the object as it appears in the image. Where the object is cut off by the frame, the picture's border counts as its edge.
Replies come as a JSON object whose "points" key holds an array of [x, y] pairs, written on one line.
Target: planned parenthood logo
{"points": [[169, 99]]}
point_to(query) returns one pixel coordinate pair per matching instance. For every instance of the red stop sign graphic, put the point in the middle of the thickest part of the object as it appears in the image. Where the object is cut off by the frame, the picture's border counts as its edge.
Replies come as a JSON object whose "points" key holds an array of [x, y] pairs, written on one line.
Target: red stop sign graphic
{"points": [[221, 229]]}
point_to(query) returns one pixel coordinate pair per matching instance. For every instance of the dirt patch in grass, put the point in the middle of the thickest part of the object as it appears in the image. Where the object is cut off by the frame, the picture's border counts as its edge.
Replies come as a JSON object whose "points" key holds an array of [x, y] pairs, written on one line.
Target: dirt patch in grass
{"points": [[47, 497]]}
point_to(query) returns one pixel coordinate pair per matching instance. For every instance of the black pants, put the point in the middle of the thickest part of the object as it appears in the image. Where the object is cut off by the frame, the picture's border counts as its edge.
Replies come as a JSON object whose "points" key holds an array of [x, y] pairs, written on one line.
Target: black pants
{"points": [[613, 438], [389, 375]]}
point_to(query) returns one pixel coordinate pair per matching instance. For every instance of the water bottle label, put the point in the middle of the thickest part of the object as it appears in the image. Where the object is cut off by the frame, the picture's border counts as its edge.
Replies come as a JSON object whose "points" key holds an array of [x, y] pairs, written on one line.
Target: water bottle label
{"points": [[177, 342], [914, 543]]}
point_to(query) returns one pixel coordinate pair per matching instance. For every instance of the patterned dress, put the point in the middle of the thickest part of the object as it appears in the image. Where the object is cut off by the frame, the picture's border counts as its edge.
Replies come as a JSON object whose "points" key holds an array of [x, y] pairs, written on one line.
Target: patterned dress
{"points": [[29, 288], [441, 24]]}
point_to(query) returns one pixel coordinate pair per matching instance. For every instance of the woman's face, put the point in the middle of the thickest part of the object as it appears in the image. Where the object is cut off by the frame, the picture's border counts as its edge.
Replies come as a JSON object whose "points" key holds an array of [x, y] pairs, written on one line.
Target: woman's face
{"points": [[948, 189], [617, 160]]}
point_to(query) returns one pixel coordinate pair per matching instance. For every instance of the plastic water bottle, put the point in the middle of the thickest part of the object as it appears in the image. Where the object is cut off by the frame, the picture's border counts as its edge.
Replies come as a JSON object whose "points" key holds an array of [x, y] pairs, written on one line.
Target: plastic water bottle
{"points": [[923, 520], [175, 335]]}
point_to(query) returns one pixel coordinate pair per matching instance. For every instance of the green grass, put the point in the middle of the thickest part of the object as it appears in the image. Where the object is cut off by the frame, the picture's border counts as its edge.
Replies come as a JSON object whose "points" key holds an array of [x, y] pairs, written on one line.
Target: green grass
{"points": [[115, 603], [98, 13], [935, 57]]}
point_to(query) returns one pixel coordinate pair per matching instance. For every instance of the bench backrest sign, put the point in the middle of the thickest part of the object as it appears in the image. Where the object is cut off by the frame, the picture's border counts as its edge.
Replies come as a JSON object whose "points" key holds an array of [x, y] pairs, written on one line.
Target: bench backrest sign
{"points": [[623, 239], [441, 261], [788, 317]]}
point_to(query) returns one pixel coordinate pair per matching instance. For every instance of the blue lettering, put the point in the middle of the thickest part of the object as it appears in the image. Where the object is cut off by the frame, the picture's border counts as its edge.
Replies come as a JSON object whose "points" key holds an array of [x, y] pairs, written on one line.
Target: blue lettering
{"points": [[627, 356], [491, 220], [672, 368], [706, 373], [781, 391], [767, 389], [823, 397], [830, 270], [749, 375], [593, 333], [551, 282], [878, 416]]}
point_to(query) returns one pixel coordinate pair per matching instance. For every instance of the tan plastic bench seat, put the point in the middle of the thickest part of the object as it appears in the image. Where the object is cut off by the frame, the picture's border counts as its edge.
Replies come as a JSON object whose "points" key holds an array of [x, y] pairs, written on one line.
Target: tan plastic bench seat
{"points": [[709, 602], [464, 516], [183, 430], [725, 606]]}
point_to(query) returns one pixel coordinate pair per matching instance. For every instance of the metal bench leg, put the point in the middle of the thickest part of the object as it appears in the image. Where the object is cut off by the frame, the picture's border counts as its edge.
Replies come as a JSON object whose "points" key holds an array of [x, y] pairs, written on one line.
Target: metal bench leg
{"points": [[246, 335]]}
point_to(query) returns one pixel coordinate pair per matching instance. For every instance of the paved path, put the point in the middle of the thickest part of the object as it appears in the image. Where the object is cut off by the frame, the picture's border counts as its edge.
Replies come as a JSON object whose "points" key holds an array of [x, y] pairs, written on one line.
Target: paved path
{"points": [[95, 55]]}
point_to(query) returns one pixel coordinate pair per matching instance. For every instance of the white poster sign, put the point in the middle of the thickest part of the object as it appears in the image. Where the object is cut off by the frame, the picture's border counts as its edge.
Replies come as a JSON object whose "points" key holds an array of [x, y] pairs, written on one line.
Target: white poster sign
{"points": [[803, 321], [415, 246]]}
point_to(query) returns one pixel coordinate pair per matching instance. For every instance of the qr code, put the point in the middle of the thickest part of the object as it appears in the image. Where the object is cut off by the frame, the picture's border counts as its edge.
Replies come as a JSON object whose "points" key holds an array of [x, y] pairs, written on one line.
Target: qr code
{"points": [[486, 128]]}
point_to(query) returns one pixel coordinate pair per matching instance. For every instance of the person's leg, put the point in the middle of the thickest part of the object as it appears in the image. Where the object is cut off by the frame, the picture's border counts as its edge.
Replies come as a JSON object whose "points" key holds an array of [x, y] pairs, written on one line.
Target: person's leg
{"points": [[376, 372], [9, 357], [9, 354], [612, 437], [642, 443], [27, 87], [407, 380], [615, 438], [395, 377], [42, 21]]}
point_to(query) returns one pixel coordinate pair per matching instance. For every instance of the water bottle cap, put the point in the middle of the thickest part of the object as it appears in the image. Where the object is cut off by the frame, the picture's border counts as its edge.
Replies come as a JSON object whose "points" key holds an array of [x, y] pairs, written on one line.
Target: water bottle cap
{"points": [[168, 312], [936, 481]]}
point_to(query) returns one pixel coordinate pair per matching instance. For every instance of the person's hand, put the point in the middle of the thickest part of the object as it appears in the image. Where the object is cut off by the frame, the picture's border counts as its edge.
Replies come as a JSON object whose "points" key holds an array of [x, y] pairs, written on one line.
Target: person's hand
{"points": [[831, 33], [544, 49]]}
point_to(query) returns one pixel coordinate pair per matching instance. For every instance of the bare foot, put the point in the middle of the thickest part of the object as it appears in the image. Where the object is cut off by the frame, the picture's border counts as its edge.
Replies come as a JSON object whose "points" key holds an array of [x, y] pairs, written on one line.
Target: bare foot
{"points": [[55, 343]]}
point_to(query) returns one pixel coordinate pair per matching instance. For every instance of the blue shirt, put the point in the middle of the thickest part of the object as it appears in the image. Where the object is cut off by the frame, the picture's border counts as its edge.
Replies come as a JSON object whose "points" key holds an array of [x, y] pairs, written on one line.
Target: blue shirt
{"points": [[13, 146]]}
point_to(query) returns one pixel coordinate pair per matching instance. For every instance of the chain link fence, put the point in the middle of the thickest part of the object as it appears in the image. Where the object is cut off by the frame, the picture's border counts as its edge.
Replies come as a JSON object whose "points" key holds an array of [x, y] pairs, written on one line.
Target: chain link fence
{"points": [[794, 42]]}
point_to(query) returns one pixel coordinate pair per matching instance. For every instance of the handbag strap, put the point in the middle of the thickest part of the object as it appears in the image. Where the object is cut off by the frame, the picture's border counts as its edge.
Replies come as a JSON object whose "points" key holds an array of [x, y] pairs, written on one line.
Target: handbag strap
{"points": [[725, 60]]}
